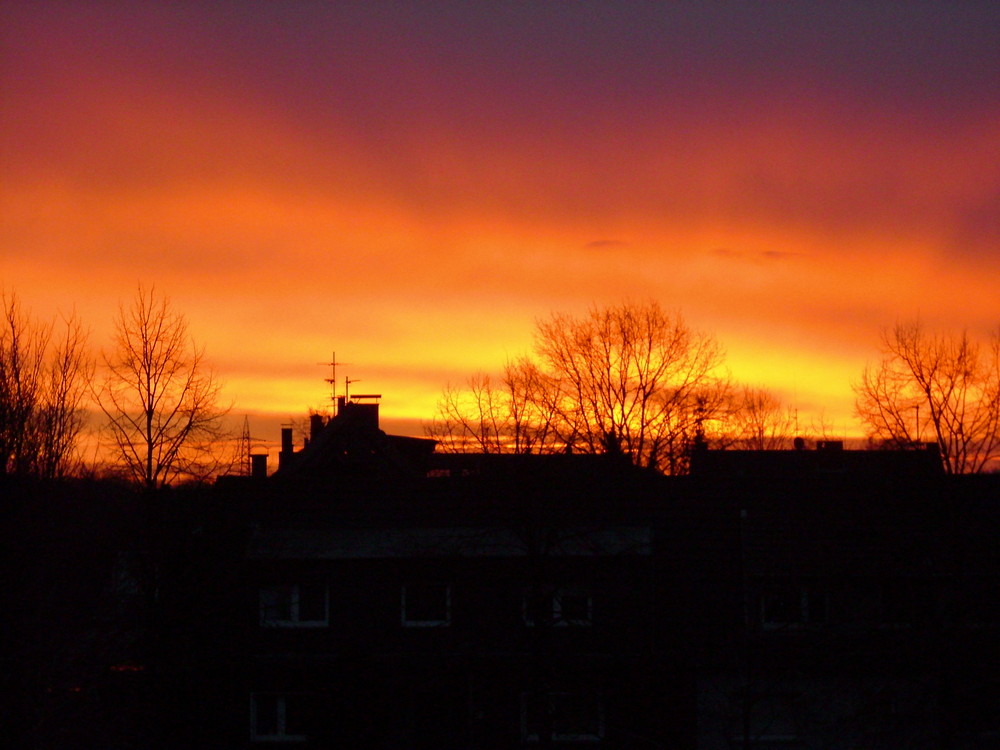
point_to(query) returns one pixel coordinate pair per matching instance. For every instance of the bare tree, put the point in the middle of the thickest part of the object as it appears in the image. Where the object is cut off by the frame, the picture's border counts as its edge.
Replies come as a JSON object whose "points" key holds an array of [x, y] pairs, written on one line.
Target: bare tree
{"points": [[945, 388], [635, 379], [60, 417], [760, 421], [22, 356], [511, 414], [159, 397], [631, 379], [42, 387]]}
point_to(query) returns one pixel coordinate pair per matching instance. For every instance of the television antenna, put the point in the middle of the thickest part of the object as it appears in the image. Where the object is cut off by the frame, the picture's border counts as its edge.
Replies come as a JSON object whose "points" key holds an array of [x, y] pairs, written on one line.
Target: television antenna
{"points": [[332, 380], [347, 387]]}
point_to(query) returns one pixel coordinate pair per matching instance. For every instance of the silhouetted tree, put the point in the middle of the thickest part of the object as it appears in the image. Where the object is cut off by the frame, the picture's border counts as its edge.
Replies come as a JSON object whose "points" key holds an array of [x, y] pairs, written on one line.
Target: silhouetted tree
{"points": [[759, 421], [630, 378], [159, 397], [22, 350], [945, 387], [512, 414], [43, 383], [60, 418]]}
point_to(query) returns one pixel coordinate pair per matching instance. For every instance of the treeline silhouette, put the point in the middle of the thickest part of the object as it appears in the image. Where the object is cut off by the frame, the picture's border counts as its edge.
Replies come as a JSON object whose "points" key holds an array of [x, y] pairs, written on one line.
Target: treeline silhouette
{"points": [[160, 403], [632, 379], [637, 380]]}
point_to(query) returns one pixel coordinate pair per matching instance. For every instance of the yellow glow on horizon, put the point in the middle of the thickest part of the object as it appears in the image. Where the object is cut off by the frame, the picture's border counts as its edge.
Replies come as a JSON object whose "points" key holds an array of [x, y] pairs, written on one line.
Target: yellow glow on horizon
{"points": [[797, 312]]}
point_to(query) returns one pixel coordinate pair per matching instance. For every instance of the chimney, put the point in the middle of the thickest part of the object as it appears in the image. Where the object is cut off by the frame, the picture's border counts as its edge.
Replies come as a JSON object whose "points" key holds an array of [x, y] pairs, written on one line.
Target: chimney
{"points": [[316, 425], [287, 450], [258, 466], [363, 408]]}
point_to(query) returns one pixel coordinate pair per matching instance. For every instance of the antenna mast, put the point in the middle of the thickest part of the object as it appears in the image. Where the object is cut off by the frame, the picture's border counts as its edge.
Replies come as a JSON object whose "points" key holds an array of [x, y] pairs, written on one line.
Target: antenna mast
{"points": [[347, 387], [332, 380]]}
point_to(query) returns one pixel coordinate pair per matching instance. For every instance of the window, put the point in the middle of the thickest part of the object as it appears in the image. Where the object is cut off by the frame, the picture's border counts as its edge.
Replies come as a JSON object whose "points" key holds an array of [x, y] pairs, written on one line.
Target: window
{"points": [[772, 722], [294, 606], [426, 605], [278, 717], [792, 607], [562, 717], [572, 608], [562, 608]]}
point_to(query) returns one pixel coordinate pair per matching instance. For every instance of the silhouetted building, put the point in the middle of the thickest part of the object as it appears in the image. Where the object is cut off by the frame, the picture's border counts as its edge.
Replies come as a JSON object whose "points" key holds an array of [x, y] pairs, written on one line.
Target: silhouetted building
{"points": [[395, 598], [824, 598], [373, 593]]}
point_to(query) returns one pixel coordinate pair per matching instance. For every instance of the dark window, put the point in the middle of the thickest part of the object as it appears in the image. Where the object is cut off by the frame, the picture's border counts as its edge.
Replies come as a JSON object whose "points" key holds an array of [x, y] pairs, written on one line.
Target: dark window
{"points": [[562, 717], [426, 604], [293, 605], [561, 608], [772, 721], [279, 717], [275, 604], [573, 608]]}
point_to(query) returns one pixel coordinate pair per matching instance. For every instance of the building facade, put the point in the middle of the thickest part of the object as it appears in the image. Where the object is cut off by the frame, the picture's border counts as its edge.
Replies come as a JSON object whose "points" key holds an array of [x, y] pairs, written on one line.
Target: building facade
{"points": [[392, 597]]}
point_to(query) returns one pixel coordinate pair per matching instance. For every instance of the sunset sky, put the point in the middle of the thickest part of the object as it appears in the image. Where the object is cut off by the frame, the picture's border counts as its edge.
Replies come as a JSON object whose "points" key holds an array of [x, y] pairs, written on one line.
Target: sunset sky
{"points": [[411, 185]]}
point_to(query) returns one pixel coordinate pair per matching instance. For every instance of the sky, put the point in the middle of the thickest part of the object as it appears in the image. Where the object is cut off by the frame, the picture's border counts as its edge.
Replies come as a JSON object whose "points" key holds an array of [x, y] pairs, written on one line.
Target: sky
{"points": [[412, 185]]}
